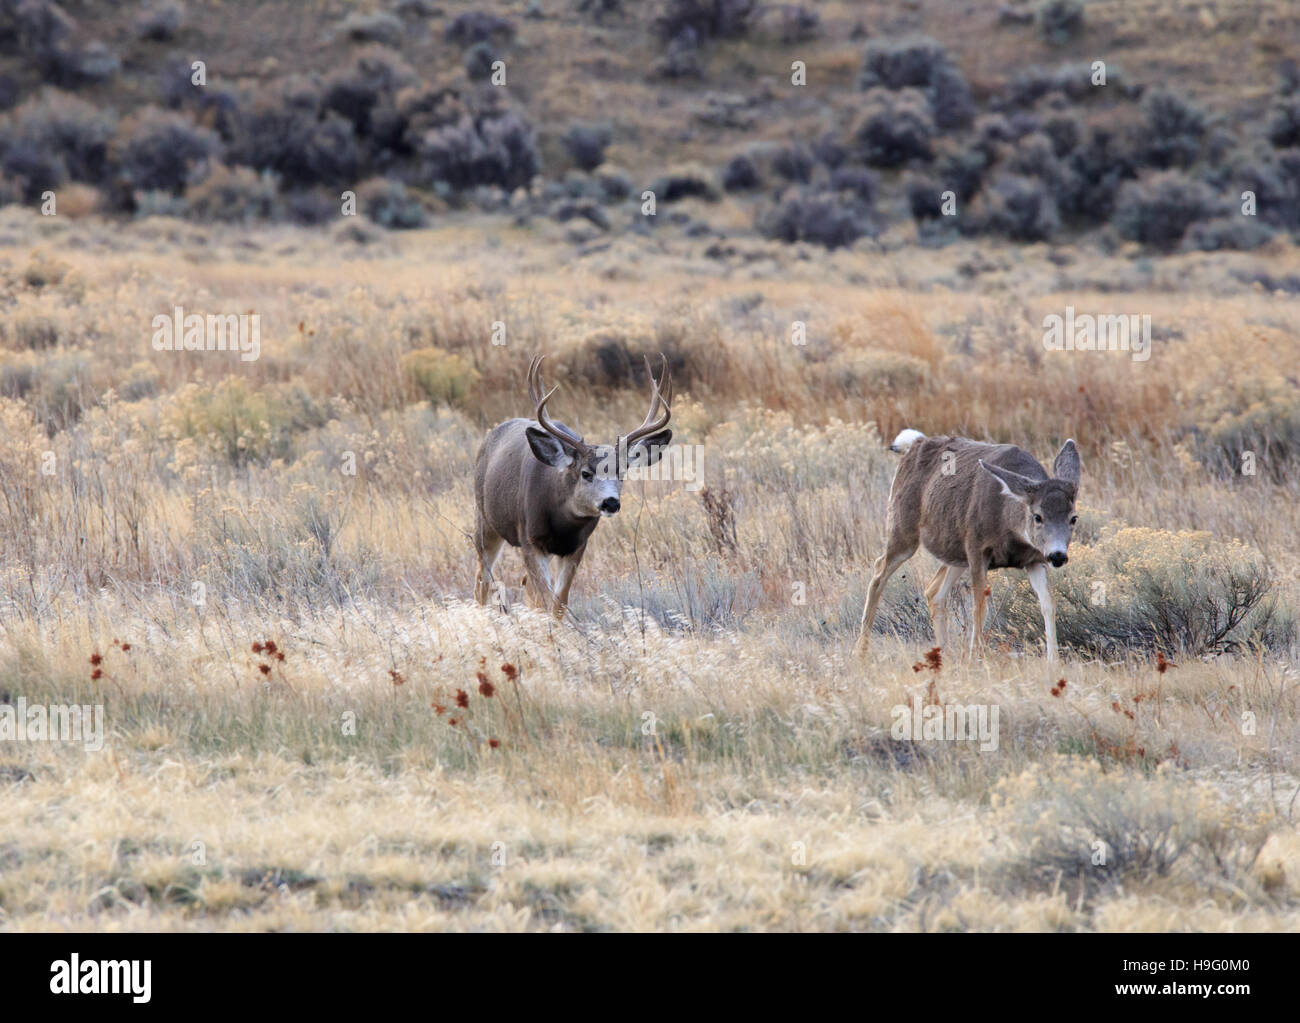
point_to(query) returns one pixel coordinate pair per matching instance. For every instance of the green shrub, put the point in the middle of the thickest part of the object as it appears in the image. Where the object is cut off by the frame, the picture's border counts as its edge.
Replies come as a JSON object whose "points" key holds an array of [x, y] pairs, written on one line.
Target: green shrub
{"points": [[245, 425], [1252, 419], [445, 378], [1152, 590]]}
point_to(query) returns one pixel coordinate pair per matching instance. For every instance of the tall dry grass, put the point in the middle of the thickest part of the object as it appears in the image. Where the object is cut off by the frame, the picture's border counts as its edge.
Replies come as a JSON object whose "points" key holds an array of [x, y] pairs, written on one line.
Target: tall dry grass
{"points": [[169, 514]]}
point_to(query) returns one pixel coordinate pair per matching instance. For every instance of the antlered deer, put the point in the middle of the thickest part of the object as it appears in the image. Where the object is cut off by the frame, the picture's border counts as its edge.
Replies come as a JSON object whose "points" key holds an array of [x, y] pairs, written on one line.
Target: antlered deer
{"points": [[978, 507], [540, 487]]}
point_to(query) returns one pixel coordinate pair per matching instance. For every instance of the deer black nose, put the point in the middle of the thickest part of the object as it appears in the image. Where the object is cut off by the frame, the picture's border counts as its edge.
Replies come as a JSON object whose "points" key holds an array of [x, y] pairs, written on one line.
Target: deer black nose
{"points": [[1058, 558], [610, 505]]}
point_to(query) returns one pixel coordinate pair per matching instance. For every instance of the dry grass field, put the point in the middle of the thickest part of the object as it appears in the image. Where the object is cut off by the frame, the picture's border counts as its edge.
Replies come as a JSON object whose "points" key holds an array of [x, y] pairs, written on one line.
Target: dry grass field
{"points": [[256, 573], [261, 571]]}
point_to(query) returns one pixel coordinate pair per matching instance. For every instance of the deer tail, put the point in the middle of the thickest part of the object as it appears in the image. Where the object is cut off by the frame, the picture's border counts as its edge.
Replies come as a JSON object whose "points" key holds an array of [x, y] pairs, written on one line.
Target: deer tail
{"points": [[905, 440]]}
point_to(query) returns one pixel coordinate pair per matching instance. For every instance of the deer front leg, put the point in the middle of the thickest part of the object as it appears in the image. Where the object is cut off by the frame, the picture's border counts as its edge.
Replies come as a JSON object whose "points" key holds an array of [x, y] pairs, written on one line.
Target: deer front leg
{"points": [[568, 569], [1038, 580], [538, 580]]}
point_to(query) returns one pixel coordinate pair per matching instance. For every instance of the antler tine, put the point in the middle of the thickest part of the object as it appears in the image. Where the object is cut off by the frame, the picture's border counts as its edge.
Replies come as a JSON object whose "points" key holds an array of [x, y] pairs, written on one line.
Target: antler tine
{"points": [[659, 397], [535, 387], [555, 429], [665, 382]]}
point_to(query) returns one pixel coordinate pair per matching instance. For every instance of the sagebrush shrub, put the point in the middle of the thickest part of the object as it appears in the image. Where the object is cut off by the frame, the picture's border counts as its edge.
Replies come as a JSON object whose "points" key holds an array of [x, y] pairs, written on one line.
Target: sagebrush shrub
{"points": [[233, 194], [740, 174], [243, 424], [53, 137], [823, 218], [1158, 591], [1173, 130], [470, 27], [708, 19], [160, 22], [1099, 167], [1082, 819], [681, 58], [894, 128], [478, 61], [1021, 208], [1059, 21], [794, 163], [85, 65], [374, 78], [498, 149], [372, 27], [686, 181], [1071, 81], [922, 63], [899, 63], [858, 180], [1158, 210], [924, 197], [1253, 416], [961, 170], [1284, 122], [798, 23], [285, 130], [1275, 180], [586, 144], [1233, 232], [43, 30], [389, 204], [161, 149]]}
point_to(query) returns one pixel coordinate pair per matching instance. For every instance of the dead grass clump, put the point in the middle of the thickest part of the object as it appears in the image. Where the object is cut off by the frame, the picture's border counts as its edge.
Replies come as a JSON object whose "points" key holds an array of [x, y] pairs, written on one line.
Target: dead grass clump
{"points": [[1078, 821]]}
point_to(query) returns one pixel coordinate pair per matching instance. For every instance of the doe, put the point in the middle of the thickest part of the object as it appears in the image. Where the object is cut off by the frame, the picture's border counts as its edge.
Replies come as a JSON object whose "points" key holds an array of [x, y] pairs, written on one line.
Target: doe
{"points": [[976, 507]]}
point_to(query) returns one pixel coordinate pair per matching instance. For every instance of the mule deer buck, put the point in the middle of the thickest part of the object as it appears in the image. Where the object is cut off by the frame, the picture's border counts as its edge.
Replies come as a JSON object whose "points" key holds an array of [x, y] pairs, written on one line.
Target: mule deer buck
{"points": [[976, 507], [540, 487]]}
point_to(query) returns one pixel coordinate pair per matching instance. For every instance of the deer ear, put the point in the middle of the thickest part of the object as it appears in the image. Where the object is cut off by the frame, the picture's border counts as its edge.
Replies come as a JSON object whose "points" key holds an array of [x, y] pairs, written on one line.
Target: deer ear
{"points": [[649, 450], [1067, 466], [1013, 484], [547, 449]]}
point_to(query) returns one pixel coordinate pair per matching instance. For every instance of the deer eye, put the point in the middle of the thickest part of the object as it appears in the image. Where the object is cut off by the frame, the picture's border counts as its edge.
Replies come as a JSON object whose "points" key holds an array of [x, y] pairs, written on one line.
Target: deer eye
{"points": [[1073, 519], [1038, 518], [588, 475]]}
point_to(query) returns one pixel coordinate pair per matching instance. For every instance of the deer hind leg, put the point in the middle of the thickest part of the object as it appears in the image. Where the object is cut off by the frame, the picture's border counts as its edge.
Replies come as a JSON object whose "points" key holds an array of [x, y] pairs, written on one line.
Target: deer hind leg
{"points": [[936, 596], [979, 591], [564, 579], [1038, 580], [896, 552], [488, 546]]}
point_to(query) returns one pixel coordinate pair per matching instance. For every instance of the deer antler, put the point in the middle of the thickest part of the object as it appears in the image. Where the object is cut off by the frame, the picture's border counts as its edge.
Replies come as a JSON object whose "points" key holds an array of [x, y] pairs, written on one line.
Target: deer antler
{"points": [[661, 393], [535, 391]]}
